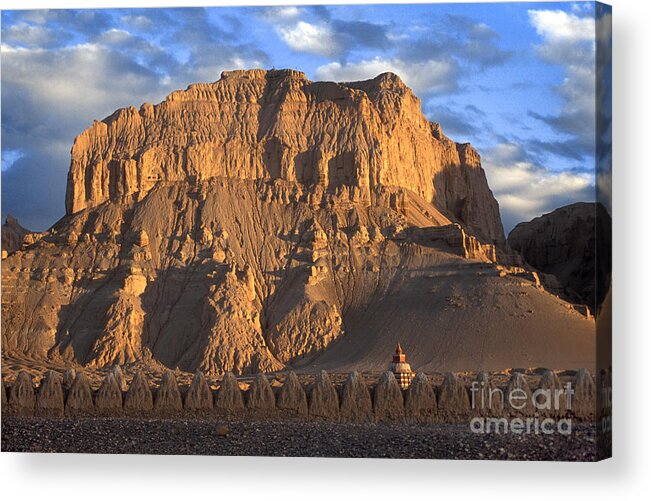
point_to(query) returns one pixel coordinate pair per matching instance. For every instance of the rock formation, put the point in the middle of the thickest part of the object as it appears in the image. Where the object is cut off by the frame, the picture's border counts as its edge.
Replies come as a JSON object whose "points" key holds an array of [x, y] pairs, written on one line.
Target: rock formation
{"points": [[248, 224], [573, 243], [13, 235], [279, 125]]}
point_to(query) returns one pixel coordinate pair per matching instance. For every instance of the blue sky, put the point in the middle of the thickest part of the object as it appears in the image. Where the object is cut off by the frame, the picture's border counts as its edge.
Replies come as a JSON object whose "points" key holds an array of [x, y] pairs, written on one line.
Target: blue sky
{"points": [[517, 80]]}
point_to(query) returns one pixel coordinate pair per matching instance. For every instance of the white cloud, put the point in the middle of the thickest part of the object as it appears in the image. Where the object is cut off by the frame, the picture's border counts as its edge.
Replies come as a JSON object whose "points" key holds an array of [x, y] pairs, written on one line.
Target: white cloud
{"points": [[310, 38], [115, 36], [284, 12], [557, 25], [9, 157], [142, 23], [526, 190], [281, 13], [423, 77], [49, 96], [569, 41], [51, 80], [25, 34]]}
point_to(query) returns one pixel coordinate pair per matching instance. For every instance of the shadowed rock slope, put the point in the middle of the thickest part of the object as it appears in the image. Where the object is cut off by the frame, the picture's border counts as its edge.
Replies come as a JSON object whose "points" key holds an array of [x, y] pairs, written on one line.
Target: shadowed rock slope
{"points": [[573, 243], [265, 221]]}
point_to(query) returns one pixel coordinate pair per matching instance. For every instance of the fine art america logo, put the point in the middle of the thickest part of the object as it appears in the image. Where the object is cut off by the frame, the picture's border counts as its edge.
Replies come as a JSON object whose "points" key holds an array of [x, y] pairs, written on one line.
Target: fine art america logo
{"points": [[543, 402]]}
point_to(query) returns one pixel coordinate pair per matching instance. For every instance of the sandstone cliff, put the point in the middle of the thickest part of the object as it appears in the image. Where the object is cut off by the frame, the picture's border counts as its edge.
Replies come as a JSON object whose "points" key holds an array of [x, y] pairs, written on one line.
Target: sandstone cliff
{"points": [[279, 125], [573, 243], [265, 222]]}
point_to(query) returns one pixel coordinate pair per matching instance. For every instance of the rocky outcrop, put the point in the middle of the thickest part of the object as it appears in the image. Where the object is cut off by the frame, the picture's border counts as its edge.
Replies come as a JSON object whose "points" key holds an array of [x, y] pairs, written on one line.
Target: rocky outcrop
{"points": [[13, 235], [278, 125], [267, 223], [573, 243]]}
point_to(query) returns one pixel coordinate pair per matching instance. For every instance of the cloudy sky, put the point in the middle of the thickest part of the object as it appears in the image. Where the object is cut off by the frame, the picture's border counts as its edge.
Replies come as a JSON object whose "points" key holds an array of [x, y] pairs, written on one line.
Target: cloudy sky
{"points": [[517, 80]]}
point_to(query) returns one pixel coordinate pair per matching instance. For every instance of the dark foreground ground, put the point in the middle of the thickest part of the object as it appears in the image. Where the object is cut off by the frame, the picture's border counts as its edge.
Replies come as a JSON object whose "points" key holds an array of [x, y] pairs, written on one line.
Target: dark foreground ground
{"points": [[233, 438]]}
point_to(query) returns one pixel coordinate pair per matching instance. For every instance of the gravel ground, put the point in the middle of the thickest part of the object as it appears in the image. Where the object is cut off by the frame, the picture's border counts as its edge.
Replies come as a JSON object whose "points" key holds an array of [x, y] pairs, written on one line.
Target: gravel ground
{"points": [[237, 438]]}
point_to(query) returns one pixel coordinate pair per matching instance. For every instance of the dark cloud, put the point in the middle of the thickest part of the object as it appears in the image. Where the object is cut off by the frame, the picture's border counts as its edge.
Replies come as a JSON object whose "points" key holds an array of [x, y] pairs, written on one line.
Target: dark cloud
{"points": [[456, 121], [320, 12], [314, 30], [360, 34], [604, 110], [48, 97], [52, 91], [33, 188], [460, 37], [85, 22], [569, 148]]}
